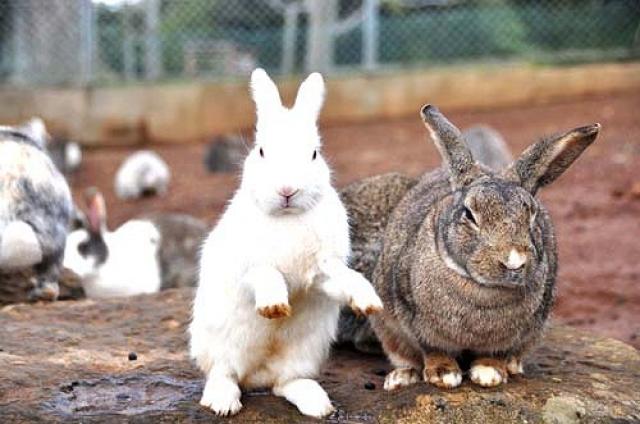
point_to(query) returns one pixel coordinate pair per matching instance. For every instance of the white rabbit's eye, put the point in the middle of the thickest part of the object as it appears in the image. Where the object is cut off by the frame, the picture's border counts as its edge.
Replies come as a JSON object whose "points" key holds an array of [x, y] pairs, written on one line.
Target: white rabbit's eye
{"points": [[261, 152], [315, 155]]}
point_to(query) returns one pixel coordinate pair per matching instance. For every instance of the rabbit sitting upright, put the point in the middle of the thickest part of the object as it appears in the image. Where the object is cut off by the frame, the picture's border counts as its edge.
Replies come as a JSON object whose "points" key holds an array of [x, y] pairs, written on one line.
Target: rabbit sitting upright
{"points": [[35, 207], [273, 271], [469, 260]]}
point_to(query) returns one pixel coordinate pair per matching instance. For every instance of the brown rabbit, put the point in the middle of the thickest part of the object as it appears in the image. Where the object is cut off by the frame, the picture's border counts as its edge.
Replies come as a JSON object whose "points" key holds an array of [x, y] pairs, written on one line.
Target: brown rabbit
{"points": [[468, 263]]}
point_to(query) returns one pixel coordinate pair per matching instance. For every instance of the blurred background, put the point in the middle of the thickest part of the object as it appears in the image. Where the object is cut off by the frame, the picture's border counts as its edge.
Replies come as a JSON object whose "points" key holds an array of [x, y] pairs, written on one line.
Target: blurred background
{"points": [[83, 42], [171, 75]]}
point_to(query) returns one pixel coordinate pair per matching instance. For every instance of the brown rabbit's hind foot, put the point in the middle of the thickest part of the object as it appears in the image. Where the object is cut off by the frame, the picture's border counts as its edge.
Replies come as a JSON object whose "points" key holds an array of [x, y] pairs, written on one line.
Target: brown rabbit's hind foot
{"points": [[442, 371], [401, 377], [514, 365], [489, 372]]}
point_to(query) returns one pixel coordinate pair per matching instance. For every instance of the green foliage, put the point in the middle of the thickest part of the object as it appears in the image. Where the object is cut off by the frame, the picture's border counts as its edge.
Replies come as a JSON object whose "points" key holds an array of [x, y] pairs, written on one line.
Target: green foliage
{"points": [[250, 24], [499, 29], [5, 38]]}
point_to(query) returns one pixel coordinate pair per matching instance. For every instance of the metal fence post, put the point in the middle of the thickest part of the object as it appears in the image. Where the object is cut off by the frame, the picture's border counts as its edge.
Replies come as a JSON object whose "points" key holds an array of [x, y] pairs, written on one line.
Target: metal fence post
{"points": [[370, 35], [153, 58]]}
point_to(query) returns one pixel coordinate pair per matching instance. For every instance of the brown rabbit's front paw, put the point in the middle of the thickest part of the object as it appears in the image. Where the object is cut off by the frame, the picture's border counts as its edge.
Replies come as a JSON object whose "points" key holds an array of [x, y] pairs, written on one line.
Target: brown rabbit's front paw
{"points": [[442, 371], [514, 365], [401, 377], [280, 310], [489, 372]]}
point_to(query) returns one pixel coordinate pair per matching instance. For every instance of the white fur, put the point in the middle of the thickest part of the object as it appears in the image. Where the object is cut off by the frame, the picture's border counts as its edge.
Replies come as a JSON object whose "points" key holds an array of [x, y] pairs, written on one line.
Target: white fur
{"points": [[263, 253], [515, 260], [401, 377], [143, 170], [131, 267], [452, 379], [73, 155], [19, 247], [486, 376], [514, 366]]}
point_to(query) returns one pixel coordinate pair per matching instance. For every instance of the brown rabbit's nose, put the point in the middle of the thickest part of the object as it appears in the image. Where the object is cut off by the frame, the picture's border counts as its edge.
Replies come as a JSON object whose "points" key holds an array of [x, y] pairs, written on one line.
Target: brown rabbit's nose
{"points": [[515, 260], [287, 192]]}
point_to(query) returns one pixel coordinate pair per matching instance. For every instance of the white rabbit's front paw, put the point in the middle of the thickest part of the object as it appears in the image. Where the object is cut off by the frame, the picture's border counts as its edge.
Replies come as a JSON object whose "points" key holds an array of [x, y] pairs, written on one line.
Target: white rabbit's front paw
{"points": [[279, 310], [222, 398], [365, 301]]}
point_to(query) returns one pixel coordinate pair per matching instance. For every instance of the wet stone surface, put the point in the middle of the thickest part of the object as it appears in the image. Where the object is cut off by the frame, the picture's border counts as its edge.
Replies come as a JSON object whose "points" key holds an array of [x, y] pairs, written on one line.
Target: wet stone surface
{"points": [[69, 362]]}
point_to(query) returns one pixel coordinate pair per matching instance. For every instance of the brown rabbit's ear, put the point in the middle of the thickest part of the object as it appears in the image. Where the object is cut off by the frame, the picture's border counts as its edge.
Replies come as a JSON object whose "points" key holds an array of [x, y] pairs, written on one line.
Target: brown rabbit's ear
{"points": [[96, 211], [546, 160], [452, 147]]}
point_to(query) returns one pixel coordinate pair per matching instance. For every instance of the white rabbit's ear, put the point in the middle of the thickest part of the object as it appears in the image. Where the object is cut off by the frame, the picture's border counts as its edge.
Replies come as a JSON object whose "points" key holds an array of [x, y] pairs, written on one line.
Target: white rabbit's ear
{"points": [[265, 93], [310, 96]]}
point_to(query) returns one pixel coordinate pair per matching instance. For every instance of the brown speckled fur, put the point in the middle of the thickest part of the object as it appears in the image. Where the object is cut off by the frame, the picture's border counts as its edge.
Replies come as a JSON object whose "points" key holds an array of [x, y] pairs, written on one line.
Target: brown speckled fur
{"points": [[369, 203], [440, 273]]}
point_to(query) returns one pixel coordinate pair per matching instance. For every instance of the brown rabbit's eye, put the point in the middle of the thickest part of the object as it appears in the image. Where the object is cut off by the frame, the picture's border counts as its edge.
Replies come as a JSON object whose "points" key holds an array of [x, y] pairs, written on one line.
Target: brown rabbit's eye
{"points": [[469, 216], [261, 152], [315, 155]]}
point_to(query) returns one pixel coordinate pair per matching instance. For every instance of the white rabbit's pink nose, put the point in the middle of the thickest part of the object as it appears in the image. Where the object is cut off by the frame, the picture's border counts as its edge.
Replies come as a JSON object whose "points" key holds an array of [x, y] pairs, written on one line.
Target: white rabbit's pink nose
{"points": [[287, 192], [516, 260]]}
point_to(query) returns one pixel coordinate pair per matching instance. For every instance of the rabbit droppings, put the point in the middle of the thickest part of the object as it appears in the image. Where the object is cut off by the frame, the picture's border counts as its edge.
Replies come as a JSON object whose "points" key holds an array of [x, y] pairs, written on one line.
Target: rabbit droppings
{"points": [[469, 260], [35, 208], [273, 271]]}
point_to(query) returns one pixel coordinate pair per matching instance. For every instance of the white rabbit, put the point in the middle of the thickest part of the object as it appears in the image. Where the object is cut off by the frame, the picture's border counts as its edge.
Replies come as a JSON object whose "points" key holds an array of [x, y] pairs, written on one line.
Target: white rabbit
{"points": [[142, 173], [273, 271], [111, 264], [150, 253]]}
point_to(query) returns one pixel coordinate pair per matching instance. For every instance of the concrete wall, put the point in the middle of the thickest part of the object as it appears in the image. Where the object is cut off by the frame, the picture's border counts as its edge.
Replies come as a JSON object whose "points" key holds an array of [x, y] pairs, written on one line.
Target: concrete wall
{"points": [[178, 113]]}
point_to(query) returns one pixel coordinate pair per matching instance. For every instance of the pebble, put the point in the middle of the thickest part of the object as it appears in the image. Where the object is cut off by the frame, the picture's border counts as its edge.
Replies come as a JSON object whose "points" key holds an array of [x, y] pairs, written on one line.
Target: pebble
{"points": [[122, 397], [133, 356]]}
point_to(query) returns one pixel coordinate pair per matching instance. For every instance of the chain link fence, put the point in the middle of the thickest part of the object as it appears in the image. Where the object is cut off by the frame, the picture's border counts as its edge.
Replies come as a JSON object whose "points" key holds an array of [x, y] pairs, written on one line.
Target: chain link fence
{"points": [[84, 42]]}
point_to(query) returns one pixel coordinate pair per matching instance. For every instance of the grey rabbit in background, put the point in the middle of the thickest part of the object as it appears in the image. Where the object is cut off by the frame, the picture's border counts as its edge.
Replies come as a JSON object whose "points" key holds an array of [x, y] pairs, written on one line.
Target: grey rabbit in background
{"points": [[488, 147], [369, 203], [468, 262], [225, 154], [35, 208]]}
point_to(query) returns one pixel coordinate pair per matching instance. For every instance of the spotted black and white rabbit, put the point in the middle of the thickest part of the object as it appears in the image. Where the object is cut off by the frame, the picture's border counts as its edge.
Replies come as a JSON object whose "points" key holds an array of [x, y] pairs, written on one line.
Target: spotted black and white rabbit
{"points": [[273, 271], [143, 255], [35, 206], [468, 263]]}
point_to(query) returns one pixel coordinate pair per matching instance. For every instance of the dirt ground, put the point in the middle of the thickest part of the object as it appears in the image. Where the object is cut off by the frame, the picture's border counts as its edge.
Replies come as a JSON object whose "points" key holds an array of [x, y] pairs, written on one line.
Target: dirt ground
{"points": [[97, 362], [595, 205]]}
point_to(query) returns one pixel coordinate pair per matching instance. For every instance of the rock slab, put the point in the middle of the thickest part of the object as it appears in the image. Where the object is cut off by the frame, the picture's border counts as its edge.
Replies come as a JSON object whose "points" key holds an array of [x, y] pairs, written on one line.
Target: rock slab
{"points": [[126, 361]]}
